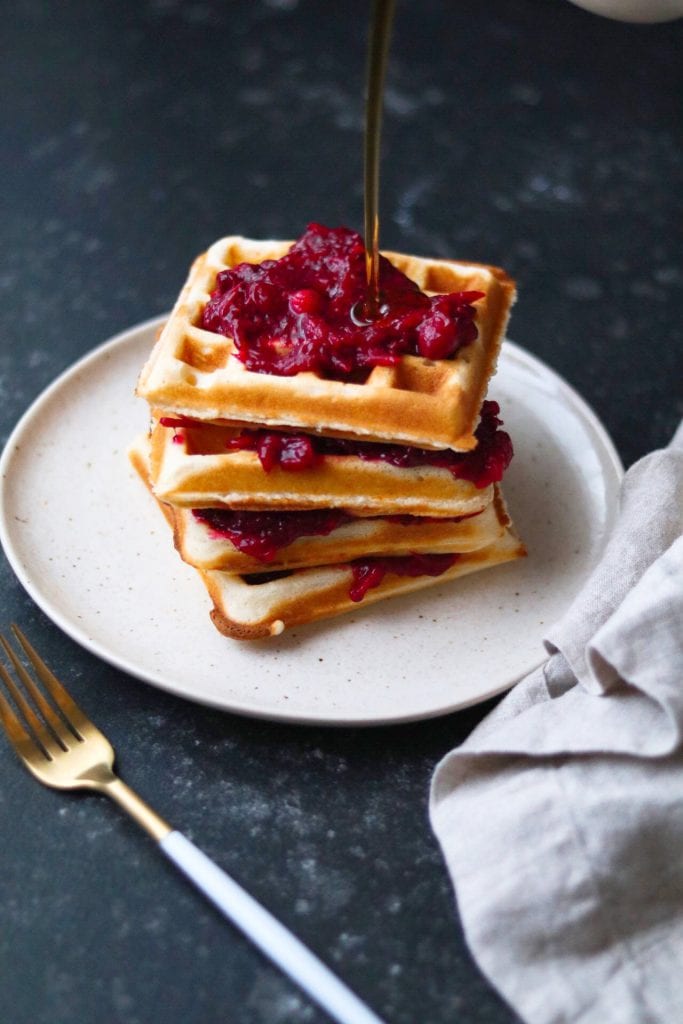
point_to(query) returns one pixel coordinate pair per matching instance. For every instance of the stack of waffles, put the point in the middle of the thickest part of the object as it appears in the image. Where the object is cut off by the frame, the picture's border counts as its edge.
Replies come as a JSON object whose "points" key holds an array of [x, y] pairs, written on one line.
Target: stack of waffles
{"points": [[301, 497]]}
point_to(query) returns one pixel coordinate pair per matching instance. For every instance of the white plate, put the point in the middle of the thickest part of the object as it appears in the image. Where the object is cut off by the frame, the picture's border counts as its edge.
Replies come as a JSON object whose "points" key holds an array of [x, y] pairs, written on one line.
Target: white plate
{"points": [[92, 550]]}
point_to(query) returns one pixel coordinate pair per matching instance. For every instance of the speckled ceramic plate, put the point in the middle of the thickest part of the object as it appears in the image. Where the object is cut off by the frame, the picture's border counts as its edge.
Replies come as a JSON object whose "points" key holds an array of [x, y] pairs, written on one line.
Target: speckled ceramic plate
{"points": [[90, 547]]}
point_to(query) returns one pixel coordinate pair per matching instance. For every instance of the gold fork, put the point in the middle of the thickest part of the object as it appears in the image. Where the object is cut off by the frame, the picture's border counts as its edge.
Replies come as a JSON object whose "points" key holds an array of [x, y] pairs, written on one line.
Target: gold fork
{"points": [[62, 748]]}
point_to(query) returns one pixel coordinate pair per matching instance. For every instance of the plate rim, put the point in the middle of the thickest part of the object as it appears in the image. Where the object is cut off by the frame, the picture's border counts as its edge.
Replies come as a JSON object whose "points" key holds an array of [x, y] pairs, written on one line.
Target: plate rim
{"points": [[314, 719]]}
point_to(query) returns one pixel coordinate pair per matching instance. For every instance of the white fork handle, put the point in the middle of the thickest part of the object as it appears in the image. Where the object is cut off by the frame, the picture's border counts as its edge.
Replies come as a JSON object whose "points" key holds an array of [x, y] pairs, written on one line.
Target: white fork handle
{"points": [[266, 932]]}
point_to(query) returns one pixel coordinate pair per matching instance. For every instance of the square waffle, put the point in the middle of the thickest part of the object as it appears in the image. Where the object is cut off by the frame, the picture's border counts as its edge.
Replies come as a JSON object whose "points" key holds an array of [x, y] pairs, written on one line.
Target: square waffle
{"points": [[204, 548], [250, 607], [193, 469], [255, 605], [420, 402]]}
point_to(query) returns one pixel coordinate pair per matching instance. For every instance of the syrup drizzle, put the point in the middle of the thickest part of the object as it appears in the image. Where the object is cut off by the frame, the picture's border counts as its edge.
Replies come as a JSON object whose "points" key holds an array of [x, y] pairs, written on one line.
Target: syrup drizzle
{"points": [[378, 48]]}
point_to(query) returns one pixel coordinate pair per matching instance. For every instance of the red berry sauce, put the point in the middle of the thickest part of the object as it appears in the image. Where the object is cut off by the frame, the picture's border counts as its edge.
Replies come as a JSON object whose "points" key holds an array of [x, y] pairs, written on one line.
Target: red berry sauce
{"points": [[369, 572], [293, 452], [261, 534], [482, 466], [293, 315]]}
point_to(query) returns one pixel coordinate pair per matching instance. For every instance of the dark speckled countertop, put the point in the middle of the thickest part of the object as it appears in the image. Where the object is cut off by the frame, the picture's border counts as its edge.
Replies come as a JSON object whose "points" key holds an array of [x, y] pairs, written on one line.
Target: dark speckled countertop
{"points": [[526, 133]]}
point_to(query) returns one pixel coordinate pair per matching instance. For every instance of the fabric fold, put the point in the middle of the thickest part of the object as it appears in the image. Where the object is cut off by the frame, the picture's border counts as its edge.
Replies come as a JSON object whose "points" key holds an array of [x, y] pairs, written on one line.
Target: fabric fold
{"points": [[561, 817]]}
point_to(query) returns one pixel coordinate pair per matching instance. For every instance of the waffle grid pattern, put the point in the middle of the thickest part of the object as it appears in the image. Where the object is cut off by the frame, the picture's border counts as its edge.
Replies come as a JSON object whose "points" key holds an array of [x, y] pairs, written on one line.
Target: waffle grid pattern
{"points": [[419, 402]]}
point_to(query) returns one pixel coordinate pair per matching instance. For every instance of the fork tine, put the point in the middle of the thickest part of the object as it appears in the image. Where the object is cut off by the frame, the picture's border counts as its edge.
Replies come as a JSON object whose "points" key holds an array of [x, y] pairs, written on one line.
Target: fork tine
{"points": [[18, 736], [56, 724], [72, 714], [38, 737]]}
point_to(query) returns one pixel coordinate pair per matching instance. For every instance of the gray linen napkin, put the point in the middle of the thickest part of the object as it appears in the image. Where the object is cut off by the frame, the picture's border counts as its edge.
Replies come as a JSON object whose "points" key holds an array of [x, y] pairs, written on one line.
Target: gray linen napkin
{"points": [[561, 816]]}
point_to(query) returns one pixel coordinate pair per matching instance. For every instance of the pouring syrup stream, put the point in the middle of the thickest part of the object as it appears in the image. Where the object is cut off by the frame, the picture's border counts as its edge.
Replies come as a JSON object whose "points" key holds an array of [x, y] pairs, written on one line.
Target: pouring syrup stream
{"points": [[378, 48]]}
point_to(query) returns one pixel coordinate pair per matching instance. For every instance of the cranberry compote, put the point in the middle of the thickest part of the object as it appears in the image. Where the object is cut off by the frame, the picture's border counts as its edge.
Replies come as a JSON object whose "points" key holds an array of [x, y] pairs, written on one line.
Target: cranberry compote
{"points": [[369, 572], [289, 451], [292, 315], [261, 534], [483, 466]]}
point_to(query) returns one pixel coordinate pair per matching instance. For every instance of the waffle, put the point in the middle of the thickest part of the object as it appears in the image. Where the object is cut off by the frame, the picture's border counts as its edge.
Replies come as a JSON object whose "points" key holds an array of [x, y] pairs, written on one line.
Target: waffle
{"points": [[246, 609], [419, 402], [200, 547], [250, 606], [192, 469]]}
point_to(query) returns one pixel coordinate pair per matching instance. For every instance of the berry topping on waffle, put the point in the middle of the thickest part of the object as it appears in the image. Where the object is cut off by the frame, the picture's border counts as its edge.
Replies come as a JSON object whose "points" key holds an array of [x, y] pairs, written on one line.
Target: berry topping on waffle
{"points": [[483, 466], [262, 334], [368, 573], [262, 534], [296, 314]]}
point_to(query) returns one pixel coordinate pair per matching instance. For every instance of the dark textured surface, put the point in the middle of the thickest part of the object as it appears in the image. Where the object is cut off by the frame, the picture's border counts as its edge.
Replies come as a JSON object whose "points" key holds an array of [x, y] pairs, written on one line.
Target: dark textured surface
{"points": [[135, 133]]}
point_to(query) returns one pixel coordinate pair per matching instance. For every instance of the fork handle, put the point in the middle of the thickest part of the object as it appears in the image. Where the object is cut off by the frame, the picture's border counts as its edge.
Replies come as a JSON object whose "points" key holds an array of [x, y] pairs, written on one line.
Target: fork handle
{"points": [[266, 932]]}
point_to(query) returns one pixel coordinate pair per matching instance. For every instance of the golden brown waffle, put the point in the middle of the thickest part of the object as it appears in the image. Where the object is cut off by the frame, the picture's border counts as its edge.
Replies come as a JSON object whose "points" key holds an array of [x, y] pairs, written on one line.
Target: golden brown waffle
{"points": [[248, 606], [193, 372], [192, 469], [200, 548], [246, 609]]}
